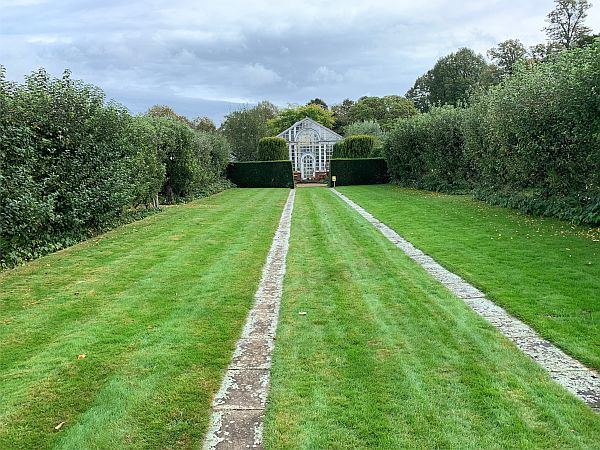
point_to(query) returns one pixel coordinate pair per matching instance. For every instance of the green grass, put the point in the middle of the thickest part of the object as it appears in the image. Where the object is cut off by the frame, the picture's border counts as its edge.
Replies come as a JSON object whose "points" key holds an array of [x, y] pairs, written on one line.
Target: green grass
{"points": [[543, 271], [387, 358], [156, 306]]}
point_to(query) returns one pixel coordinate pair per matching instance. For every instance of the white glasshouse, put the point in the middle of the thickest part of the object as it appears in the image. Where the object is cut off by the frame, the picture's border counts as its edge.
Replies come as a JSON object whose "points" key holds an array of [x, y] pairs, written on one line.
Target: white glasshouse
{"points": [[310, 145]]}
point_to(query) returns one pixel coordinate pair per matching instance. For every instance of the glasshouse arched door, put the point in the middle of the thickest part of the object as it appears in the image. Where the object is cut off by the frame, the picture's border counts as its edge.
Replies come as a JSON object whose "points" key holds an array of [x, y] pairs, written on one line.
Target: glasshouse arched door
{"points": [[307, 169]]}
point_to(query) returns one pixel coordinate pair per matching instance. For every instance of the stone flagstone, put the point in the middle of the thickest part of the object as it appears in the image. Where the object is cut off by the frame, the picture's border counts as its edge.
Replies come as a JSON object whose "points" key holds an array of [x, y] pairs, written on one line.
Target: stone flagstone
{"points": [[565, 370], [238, 407]]}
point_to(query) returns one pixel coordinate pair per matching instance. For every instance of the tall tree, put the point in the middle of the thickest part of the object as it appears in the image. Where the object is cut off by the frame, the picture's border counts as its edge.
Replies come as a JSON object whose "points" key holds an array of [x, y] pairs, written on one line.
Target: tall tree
{"points": [[167, 111], [451, 80], [385, 110], [245, 127], [203, 124], [319, 102], [340, 114], [566, 22], [289, 116], [507, 54]]}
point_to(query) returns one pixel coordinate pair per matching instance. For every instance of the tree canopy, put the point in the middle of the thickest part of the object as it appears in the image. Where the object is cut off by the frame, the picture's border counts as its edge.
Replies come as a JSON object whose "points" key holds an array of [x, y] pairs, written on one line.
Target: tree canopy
{"points": [[385, 110], [566, 22], [245, 127], [451, 80], [289, 116]]}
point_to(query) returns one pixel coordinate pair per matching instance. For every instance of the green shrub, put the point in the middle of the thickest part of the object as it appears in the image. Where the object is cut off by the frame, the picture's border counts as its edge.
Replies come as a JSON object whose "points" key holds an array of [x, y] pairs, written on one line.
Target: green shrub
{"points": [[534, 140], [73, 165], [272, 149], [370, 128], [427, 151], [359, 146], [353, 171], [254, 174]]}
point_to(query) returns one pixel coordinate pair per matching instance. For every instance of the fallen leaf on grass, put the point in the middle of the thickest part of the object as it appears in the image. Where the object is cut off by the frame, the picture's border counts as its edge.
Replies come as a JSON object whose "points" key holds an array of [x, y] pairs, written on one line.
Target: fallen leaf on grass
{"points": [[59, 426]]}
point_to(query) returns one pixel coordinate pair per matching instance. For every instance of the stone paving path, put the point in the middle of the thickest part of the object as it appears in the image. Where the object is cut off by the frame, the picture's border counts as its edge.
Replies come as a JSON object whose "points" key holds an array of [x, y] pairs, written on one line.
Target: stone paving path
{"points": [[238, 407], [563, 369]]}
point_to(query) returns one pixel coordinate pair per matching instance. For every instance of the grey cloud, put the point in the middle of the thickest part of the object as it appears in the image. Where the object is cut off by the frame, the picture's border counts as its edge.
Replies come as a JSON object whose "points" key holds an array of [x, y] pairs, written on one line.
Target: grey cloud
{"points": [[207, 57]]}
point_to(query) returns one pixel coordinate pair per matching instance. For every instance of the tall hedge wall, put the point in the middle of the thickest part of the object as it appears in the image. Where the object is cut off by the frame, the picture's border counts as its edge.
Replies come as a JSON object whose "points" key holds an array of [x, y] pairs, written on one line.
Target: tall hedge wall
{"points": [[531, 143], [352, 171], [427, 151], [73, 164], [272, 149], [259, 174]]}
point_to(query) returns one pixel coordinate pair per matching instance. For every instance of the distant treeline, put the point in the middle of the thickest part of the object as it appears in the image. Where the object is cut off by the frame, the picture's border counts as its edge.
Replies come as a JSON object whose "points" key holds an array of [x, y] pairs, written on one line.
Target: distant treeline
{"points": [[73, 164]]}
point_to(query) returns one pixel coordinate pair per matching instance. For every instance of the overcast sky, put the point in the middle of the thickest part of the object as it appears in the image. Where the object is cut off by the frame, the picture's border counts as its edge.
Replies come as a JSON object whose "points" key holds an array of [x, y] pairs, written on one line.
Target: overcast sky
{"points": [[206, 57]]}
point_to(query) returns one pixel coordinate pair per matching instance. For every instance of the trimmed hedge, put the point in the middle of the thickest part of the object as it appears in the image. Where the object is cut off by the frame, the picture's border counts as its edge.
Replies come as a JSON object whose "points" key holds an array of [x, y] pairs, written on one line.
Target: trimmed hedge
{"points": [[427, 151], [259, 174], [351, 171], [272, 149], [358, 146]]}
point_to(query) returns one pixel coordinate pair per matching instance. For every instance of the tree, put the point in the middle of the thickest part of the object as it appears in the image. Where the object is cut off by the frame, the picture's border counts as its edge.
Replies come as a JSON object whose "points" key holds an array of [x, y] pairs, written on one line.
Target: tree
{"points": [[507, 54], [289, 116], [385, 110], [340, 114], [451, 80], [245, 127], [566, 22], [319, 102], [203, 124], [167, 111]]}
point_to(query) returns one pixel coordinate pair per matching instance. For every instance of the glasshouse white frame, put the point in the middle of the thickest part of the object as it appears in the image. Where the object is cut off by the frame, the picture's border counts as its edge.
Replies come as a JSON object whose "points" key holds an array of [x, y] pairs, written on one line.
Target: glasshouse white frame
{"points": [[310, 146]]}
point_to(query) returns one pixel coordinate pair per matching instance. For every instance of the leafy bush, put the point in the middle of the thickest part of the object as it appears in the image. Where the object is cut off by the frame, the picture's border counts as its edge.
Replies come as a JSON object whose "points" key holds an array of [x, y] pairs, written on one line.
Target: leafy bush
{"points": [[370, 128], [72, 164], [427, 151], [534, 140], [352, 171], [272, 149], [360, 146], [254, 174]]}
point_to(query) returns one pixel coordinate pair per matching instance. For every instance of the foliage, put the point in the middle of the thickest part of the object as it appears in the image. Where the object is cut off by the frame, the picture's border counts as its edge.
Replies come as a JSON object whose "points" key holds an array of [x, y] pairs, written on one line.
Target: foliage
{"points": [[566, 22], [272, 149], [73, 165], [427, 151], [261, 174], [340, 114], [358, 146], [507, 54], [167, 111], [370, 128], [319, 102], [289, 116], [203, 123], [385, 110], [245, 127], [537, 137], [451, 80], [351, 171]]}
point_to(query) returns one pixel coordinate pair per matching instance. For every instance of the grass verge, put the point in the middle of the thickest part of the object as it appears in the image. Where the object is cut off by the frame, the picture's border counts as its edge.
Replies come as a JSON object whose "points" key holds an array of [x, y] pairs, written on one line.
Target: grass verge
{"points": [[124, 338], [387, 358], [544, 271]]}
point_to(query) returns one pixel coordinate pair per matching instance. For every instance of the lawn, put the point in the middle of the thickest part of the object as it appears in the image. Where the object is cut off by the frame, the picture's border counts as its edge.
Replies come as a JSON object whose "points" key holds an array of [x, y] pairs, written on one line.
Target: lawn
{"points": [[543, 271], [385, 357], [124, 338]]}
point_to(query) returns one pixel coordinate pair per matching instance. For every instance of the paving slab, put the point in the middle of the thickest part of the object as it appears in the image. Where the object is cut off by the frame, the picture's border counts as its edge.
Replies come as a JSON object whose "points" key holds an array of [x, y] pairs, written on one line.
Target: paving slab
{"points": [[238, 407]]}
